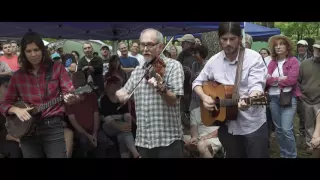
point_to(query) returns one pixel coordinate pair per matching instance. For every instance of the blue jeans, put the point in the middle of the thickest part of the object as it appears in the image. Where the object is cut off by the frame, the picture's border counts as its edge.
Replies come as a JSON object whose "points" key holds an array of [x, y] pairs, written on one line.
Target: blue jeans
{"points": [[283, 118], [47, 140]]}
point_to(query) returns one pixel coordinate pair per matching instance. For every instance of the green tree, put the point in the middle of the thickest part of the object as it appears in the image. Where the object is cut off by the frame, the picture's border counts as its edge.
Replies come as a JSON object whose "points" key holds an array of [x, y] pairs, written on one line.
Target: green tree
{"points": [[299, 30]]}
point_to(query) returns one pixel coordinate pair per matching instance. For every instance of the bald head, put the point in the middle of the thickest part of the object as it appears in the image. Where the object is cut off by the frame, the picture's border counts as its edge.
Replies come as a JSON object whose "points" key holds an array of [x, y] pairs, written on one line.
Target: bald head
{"points": [[154, 34]]}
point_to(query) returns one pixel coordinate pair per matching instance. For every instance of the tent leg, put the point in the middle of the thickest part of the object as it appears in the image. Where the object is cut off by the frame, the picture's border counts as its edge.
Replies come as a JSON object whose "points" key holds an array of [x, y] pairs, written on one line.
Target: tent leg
{"points": [[114, 47]]}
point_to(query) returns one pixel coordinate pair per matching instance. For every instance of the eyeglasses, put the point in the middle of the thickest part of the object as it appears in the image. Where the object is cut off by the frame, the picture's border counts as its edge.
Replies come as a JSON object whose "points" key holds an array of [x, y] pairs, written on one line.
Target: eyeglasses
{"points": [[148, 45]]}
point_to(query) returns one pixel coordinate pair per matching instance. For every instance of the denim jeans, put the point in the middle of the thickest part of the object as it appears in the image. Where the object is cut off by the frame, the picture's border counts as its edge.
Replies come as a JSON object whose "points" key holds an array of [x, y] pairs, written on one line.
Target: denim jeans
{"points": [[125, 139], [283, 118], [84, 149], [46, 141]]}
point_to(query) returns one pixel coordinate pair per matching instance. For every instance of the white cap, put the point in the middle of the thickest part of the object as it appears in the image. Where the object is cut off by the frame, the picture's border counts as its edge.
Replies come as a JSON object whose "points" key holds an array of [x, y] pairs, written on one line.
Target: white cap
{"points": [[303, 42]]}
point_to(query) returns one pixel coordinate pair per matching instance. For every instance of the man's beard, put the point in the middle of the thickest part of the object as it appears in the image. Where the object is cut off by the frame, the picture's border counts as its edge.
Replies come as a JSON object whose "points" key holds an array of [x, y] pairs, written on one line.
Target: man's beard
{"points": [[316, 57], [148, 59], [232, 51]]}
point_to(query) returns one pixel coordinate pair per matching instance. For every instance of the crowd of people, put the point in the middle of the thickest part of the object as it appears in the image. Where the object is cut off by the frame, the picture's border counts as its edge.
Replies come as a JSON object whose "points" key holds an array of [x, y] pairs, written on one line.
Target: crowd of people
{"points": [[135, 112]]}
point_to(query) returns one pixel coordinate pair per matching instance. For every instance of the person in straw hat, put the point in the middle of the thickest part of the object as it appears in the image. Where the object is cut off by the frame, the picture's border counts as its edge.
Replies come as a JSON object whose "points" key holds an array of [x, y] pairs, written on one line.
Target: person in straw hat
{"points": [[283, 71], [309, 84]]}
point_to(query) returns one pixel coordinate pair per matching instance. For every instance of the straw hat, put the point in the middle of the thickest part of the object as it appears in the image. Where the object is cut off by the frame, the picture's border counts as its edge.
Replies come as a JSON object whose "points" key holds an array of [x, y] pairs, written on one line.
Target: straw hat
{"points": [[280, 36]]}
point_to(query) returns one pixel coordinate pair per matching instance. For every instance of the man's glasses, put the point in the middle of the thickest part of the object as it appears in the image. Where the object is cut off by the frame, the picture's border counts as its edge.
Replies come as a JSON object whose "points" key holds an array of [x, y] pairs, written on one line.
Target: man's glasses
{"points": [[148, 45]]}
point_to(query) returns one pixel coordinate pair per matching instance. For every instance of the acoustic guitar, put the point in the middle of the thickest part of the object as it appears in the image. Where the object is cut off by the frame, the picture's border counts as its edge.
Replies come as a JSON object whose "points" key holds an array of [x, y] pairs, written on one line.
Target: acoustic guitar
{"points": [[17, 128], [226, 106]]}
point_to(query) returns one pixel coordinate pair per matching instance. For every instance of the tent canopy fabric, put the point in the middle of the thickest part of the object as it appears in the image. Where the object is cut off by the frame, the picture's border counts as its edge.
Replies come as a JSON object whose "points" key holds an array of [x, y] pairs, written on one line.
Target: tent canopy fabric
{"points": [[258, 33], [103, 30]]}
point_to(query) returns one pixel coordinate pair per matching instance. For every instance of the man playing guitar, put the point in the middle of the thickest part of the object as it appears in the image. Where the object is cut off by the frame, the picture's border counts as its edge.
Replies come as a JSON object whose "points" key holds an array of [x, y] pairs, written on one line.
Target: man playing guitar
{"points": [[247, 135], [29, 85]]}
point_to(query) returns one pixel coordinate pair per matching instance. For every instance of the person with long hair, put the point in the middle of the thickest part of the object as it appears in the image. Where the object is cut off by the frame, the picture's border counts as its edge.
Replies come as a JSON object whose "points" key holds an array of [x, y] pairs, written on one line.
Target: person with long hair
{"points": [[246, 136], [282, 81], [117, 122], [115, 69], [29, 85]]}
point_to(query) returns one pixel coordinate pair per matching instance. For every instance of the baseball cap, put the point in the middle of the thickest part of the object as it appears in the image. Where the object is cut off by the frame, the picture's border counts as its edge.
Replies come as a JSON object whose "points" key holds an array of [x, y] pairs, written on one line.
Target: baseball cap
{"points": [[317, 44], [303, 42], [187, 37], [55, 55], [105, 46]]}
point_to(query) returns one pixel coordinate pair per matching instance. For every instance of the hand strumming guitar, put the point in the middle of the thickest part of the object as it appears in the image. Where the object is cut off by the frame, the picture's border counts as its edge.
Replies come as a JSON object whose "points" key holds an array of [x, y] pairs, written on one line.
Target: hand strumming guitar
{"points": [[21, 113], [208, 103]]}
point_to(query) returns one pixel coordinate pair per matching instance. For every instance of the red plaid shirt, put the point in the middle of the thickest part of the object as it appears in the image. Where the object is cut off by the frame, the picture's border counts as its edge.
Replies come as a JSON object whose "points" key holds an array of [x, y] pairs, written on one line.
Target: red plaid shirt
{"points": [[30, 88]]}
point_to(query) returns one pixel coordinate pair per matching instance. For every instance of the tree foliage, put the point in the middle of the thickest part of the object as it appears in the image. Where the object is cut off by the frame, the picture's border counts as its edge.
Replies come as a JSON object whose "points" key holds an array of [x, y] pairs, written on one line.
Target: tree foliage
{"points": [[299, 30]]}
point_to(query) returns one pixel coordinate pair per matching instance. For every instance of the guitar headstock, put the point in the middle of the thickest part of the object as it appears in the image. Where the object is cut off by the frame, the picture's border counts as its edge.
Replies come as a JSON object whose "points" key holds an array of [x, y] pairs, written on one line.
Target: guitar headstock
{"points": [[84, 89], [258, 100]]}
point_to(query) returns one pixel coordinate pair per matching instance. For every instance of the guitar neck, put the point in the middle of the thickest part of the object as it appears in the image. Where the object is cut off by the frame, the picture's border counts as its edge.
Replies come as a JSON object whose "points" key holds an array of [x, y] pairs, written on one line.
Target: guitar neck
{"points": [[50, 103], [228, 102], [234, 102]]}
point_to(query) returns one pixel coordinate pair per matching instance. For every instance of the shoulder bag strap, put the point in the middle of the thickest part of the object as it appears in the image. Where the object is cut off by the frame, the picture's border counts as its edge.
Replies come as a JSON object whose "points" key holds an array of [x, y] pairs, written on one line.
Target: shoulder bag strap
{"points": [[235, 94], [48, 78], [264, 61]]}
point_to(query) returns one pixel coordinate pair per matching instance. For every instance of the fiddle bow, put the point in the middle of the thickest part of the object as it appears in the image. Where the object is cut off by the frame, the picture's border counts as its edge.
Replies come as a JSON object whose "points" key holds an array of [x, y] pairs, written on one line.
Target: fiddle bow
{"points": [[148, 68]]}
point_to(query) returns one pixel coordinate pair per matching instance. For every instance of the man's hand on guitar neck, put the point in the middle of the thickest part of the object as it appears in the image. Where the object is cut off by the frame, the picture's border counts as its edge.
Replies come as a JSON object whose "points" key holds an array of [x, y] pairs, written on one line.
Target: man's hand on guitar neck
{"points": [[21, 113], [242, 105]]}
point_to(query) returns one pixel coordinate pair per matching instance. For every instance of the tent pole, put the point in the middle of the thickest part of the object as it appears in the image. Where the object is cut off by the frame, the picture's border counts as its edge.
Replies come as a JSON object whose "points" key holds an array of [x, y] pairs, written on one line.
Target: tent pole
{"points": [[114, 47]]}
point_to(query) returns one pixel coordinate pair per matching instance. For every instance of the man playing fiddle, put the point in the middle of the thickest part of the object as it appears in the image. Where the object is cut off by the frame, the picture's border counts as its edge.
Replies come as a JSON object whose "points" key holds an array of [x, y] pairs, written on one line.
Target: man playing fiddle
{"points": [[159, 131]]}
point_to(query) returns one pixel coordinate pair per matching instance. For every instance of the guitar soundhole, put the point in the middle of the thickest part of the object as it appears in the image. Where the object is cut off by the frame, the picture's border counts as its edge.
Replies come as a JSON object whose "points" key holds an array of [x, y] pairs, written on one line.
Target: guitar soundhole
{"points": [[215, 113]]}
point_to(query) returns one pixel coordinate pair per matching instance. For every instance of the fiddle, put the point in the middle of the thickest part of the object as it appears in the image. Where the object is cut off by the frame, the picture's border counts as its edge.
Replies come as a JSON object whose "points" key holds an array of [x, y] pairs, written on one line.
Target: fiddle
{"points": [[157, 67], [154, 67]]}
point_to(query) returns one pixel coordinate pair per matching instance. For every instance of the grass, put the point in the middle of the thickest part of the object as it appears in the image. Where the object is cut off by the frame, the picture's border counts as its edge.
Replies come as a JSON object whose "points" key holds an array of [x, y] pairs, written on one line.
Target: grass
{"points": [[274, 149]]}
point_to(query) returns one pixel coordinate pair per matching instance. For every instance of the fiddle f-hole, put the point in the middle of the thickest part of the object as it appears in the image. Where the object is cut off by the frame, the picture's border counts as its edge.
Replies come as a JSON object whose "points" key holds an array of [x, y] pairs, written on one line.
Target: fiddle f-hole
{"points": [[215, 113]]}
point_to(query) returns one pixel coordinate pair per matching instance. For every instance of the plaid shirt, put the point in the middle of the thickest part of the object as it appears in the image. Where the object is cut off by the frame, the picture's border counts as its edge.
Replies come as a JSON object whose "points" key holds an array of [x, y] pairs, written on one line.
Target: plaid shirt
{"points": [[30, 88], [157, 123], [4, 67]]}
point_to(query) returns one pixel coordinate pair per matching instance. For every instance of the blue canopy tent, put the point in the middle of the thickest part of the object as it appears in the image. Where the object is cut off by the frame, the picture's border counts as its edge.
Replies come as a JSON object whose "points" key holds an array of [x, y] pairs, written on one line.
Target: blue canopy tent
{"points": [[102, 30], [258, 33]]}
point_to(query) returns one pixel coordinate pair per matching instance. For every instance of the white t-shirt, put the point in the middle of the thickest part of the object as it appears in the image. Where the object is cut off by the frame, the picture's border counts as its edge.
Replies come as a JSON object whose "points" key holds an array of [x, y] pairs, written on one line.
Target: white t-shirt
{"points": [[267, 60], [139, 57], [275, 90]]}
